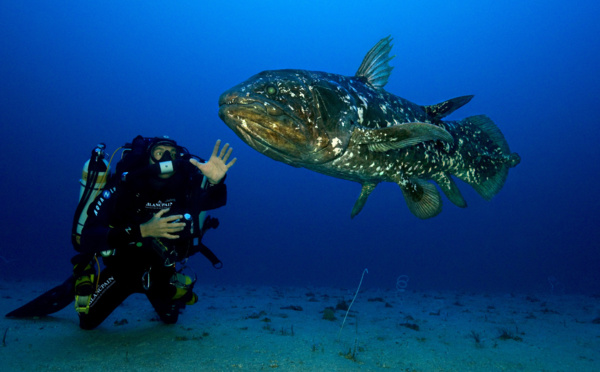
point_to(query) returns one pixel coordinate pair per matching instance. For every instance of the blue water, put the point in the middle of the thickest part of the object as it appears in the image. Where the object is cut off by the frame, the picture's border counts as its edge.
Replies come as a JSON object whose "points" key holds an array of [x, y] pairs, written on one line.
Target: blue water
{"points": [[78, 73]]}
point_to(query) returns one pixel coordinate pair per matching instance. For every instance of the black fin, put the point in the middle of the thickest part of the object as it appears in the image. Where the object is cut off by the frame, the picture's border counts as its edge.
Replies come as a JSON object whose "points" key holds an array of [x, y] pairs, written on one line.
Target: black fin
{"points": [[366, 190], [50, 302], [445, 108], [375, 66], [450, 189], [422, 198], [399, 136]]}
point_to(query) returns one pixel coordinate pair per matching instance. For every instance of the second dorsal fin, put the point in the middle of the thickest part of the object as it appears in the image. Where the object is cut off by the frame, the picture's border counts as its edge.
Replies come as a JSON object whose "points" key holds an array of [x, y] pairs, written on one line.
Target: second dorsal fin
{"points": [[445, 108]]}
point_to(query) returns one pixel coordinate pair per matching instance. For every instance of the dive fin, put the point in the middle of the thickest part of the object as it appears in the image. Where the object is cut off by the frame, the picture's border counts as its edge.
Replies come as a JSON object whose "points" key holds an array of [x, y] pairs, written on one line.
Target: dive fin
{"points": [[399, 136], [375, 68], [50, 302], [422, 198], [445, 108], [450, 189], [366, 190]]}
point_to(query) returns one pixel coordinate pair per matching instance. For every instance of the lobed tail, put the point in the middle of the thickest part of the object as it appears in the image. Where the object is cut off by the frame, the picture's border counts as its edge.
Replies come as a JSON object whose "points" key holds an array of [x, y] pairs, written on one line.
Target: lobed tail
{"points": [[486, 157]]}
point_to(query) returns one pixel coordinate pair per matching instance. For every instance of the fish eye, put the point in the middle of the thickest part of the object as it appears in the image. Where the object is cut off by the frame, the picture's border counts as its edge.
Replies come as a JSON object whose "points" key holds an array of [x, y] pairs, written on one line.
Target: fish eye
{"points": [[271, 90]]}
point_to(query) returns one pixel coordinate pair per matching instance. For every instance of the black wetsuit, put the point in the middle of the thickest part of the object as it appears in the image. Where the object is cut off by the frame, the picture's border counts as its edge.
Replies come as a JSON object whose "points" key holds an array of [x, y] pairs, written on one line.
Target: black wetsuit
{"points": [[113, 223]]}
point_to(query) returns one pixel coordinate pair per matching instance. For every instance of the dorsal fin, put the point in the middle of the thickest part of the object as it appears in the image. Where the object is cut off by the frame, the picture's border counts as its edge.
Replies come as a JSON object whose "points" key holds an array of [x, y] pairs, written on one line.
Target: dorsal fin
{"points": [[445, 108], [375, 67]]}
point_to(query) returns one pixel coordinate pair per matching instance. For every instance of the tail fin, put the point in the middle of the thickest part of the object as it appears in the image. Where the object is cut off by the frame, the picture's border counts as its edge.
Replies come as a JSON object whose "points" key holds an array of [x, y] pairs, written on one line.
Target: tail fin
{"points": [[485, 155]]}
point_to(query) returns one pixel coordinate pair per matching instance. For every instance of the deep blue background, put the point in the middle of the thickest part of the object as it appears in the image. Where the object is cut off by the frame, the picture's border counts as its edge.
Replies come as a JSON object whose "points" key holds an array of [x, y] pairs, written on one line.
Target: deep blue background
{"points": [[76, 74]]}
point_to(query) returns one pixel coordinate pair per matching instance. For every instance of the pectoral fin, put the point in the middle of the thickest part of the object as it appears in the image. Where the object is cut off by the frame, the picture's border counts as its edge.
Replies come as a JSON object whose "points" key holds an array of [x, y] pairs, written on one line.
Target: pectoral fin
{"points": [[399, 136]]}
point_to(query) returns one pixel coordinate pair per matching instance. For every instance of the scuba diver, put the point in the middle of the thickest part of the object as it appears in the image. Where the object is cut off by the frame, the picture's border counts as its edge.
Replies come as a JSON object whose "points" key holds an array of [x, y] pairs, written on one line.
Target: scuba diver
{"points": [[144, 224]]}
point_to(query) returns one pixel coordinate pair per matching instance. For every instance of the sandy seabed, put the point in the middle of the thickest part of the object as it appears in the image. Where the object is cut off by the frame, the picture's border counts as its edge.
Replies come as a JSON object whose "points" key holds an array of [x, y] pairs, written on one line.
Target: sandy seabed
{"points": [[251, 328]]}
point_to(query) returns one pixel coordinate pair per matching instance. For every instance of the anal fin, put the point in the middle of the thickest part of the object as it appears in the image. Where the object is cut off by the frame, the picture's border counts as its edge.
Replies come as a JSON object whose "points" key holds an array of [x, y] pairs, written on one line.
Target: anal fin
{"points": [[450, 189]]}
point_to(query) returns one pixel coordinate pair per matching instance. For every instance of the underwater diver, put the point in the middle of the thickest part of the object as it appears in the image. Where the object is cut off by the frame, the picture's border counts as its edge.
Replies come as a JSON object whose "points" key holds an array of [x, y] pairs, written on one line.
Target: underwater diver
{"points": [[142, 228], [149, 218]]}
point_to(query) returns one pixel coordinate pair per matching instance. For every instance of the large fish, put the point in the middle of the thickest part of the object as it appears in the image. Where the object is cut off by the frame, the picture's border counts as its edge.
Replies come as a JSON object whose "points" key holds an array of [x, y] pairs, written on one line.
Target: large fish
{"points": [[349, 127]]}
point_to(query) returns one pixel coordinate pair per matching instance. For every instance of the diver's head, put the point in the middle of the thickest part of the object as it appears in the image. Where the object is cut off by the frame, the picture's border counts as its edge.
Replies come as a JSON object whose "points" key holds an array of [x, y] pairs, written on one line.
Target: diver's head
{"points": [[164, 151]]}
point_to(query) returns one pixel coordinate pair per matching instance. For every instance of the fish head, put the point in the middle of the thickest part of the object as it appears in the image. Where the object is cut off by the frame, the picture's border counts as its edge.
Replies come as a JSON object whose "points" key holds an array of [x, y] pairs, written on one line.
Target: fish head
{"points": [[283, 115]]}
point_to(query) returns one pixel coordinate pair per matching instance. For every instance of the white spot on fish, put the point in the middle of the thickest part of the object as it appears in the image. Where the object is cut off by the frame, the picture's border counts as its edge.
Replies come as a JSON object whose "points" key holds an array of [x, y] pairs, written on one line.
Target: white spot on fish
{"points": [[360, 115], [364, 101]]}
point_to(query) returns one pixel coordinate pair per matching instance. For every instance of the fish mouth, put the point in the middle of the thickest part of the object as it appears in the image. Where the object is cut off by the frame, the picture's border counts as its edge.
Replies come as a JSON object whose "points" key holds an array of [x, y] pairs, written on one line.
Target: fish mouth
{"points": [[263, 125]]}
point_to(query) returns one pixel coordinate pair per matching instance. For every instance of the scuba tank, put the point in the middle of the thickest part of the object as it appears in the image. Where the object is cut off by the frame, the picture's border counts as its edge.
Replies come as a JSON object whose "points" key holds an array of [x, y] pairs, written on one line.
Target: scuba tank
{"points": [[93, 179]]}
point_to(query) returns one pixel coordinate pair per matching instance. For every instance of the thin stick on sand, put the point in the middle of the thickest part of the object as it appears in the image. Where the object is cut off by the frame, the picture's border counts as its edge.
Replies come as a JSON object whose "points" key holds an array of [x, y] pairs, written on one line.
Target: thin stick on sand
{"points": [[365, 271]]}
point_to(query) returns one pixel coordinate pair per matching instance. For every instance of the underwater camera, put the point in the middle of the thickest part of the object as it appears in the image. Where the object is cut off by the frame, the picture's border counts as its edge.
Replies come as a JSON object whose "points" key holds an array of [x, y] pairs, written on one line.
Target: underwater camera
{"points": [[174, 250]]}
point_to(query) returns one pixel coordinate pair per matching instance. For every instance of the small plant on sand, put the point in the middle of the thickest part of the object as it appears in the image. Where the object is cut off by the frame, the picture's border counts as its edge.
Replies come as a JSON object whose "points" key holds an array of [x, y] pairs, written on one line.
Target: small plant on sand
{"points": [[477, 338], [506, 334], [350, 355], [329, 314], [341, 305], [316, 346], [413, 326], [352, 352]]}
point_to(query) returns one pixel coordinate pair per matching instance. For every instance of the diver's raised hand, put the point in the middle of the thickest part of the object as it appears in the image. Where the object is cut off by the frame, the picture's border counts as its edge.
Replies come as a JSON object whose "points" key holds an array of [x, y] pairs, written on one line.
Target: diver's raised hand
{"points": [[216, 167], [162, 227]]}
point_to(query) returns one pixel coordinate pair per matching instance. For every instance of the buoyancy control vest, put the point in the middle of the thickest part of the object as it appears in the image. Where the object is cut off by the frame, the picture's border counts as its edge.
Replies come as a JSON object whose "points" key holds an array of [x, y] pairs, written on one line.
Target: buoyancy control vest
{"points": [[134, 167]]}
